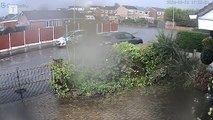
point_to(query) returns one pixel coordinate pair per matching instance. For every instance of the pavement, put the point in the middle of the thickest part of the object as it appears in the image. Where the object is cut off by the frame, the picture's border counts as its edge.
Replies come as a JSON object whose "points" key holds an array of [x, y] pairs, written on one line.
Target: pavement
{"points": [[129, 105]]}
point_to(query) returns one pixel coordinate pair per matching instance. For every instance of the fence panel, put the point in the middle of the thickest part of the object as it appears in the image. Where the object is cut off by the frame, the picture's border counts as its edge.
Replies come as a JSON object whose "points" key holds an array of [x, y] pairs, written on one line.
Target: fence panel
{"points": [[17, 39], [106, 27], [4, 39], [46, 34], [59, 32], [89, 27], [24, 83], [99, 27], [114, 27], [32, 36]]}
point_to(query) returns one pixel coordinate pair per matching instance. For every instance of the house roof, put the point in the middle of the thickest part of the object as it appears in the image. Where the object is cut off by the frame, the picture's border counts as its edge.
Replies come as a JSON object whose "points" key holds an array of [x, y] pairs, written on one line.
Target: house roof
{"points": [[94, 6], [130, 7], [51, 14], [12, 19], [76, 7], [143, 8], [206, 9], [109, 8], [158, 9]]}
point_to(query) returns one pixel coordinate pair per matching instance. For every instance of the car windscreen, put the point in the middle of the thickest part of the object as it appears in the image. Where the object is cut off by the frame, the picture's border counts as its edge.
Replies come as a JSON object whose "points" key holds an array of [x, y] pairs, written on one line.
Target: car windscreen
{"points": [[119, 36]]}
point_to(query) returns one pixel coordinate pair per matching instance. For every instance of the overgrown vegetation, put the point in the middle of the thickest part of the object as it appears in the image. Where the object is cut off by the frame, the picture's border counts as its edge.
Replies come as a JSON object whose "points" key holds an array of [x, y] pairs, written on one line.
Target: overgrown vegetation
{"points": [[204, 82], [61, 74], [127, 66], [139, 22], [190, 40]]}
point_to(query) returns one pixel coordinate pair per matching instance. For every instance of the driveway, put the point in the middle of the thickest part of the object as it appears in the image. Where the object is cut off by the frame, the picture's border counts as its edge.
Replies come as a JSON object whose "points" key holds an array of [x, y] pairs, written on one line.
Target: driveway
{"points": [[130, 105]]}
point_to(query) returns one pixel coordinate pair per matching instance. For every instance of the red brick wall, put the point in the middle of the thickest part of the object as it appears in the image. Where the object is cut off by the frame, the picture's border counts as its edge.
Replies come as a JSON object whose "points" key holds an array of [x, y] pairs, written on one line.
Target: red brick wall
{"points": [[98, 12]]}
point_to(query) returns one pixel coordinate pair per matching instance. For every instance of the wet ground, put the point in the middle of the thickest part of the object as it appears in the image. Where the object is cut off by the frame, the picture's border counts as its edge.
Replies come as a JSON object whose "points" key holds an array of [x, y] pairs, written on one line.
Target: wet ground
{"points": [[45, 55], [129, 105]]}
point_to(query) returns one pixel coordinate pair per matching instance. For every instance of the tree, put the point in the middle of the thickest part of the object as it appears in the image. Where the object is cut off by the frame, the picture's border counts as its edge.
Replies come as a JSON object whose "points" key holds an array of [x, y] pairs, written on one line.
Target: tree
{"points": [[117, 5], [181, 17]]}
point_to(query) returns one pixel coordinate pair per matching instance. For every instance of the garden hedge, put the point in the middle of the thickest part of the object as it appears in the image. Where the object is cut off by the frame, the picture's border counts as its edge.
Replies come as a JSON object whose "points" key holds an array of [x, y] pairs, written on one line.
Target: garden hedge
{"points": [[191, 40]]}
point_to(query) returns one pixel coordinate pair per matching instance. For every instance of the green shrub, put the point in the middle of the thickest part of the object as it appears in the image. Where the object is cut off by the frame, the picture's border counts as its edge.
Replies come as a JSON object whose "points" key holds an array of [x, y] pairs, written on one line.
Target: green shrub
{"points": [[61, 74], [206, 56], [129, 56], [208, 43], [207, 52], [181, 17], [190, 40]]}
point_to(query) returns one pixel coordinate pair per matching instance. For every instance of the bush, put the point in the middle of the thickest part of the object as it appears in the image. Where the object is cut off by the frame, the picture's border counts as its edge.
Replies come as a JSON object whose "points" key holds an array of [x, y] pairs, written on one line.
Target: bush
{"points": [[208, 43], [122, 69], [190, 40], [206, 56], [207, 52], [181, 17], [61, 74]]}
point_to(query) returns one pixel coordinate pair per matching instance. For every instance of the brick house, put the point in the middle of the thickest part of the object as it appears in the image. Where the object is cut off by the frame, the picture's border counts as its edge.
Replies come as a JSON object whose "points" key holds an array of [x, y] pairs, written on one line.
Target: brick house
{"points": [[141, 12], [156, 13], [47, 18], [107, 12], [9, 22], [77, 8], [126, 11]]}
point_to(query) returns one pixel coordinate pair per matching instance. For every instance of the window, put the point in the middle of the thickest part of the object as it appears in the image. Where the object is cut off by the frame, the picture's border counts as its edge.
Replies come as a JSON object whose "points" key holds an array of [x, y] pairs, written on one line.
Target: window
{"points": [[49, 23], [159, 13], [59, 23], [128, 36], [120, 36]]}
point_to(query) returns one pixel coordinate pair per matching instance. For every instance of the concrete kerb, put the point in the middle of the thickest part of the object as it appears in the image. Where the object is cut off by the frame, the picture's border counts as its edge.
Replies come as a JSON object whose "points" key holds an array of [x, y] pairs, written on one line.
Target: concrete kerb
{"points": [[26, 48]]}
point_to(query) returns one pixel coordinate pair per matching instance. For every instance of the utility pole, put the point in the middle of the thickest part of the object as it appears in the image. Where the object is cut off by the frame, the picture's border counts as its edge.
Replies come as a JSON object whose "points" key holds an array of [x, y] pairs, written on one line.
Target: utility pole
{"points": [[173, 17], [74, 12]]}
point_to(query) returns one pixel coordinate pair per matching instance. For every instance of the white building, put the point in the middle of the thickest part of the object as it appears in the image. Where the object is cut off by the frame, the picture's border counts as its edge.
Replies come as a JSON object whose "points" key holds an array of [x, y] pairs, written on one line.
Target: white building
{"points": [[205, 18]]}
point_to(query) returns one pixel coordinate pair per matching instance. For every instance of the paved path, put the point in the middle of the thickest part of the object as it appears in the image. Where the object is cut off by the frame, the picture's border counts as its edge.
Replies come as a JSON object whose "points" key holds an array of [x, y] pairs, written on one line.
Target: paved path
{"points": [[132, 105]]}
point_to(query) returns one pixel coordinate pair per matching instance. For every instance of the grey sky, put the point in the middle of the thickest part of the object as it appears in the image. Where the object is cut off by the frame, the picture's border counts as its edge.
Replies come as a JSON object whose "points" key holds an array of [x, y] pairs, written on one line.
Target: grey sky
{"points": [[52, 4]]}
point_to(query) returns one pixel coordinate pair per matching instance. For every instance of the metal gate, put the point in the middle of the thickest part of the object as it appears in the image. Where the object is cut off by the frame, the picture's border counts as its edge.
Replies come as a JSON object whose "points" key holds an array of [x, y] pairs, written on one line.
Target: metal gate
{"points": [[19, 84]]}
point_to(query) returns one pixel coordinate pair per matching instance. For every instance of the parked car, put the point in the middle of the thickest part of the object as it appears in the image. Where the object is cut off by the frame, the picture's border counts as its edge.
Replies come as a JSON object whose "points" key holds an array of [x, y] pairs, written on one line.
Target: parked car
{"points": [[117, 37], [61, 42], [72, 36]]}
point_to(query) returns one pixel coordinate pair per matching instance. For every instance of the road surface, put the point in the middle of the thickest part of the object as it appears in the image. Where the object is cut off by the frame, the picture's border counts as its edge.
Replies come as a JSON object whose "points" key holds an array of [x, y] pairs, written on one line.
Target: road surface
{"points": [[43, 56]]}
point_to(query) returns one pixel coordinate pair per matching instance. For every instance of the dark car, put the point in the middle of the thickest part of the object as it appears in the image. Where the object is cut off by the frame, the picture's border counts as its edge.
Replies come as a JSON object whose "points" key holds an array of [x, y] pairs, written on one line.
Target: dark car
{"points": [[117, 37]]}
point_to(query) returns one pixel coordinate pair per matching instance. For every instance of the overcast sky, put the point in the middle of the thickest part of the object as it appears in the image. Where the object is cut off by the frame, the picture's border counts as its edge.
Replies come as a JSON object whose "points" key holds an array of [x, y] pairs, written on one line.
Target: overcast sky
{"points": [[52, 4]]}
